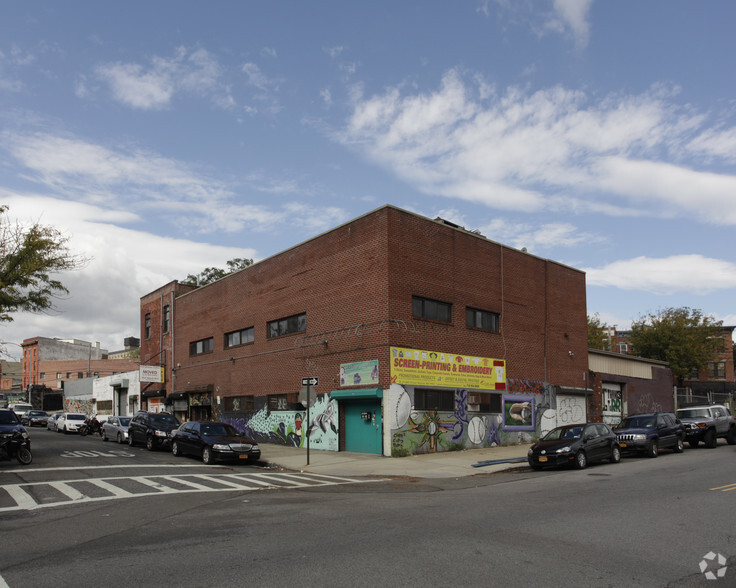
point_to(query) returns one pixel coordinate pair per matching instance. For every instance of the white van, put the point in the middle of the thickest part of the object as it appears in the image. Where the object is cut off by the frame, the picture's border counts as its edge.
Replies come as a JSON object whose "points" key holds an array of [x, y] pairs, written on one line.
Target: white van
{"points": [[20, 408]]}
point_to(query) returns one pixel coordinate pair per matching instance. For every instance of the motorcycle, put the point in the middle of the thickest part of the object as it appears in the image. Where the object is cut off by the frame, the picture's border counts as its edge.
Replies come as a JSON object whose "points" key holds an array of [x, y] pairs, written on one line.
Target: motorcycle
{"points": [[91, 425], [15, 445]]}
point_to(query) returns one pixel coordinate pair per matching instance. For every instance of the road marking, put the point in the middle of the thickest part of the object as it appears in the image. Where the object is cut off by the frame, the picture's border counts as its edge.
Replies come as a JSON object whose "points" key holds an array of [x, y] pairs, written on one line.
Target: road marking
{"points": [[158, 484], [726, 488]]}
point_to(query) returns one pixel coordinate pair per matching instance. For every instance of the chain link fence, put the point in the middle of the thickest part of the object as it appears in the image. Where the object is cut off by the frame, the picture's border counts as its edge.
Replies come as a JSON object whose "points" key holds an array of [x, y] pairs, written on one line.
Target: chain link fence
{"points": [[686, 396]]}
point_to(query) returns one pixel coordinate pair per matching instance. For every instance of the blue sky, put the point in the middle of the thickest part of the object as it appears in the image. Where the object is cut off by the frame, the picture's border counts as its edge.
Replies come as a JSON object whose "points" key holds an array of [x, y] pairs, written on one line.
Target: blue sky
{"points": [[164, 137]]}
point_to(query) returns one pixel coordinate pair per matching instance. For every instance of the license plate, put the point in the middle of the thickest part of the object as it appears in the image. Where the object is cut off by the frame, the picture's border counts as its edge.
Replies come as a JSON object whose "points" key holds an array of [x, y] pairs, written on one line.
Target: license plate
{"points": [[244, 456], [622, 444], [542, 459]]}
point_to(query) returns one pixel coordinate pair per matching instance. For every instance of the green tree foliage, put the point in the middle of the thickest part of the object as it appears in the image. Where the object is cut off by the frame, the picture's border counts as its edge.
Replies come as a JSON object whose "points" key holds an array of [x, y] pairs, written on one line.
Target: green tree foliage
{"points": [[212, 274], [29, 256], [598, 334], [683, 337]]}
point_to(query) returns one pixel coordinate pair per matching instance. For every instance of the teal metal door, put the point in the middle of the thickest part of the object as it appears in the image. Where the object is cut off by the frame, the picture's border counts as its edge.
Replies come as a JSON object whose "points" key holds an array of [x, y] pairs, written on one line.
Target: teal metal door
{"points": [[363, 426]]}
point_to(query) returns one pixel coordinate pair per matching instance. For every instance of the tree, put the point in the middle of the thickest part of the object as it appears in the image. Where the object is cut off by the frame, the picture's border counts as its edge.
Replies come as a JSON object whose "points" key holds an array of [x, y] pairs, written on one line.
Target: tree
{"points": [[28, 258], [212, 274], [683, 337], [598, 334]]}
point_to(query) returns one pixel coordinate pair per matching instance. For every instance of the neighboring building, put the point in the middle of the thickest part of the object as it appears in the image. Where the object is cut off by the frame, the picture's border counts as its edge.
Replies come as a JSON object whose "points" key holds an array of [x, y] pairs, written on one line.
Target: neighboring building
{"points": [[118, 395], [422, 336], [623, 385], [11, 378], [716, 381], [132, 349], [51, 364]]}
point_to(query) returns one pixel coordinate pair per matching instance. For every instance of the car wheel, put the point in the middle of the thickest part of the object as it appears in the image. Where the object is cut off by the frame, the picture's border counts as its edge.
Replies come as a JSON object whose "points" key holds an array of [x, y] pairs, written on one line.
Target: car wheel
{"points": [[653, 448], [120, 438], [615, 454], [679, 446], [731, 437], [149, 443], [208, 456], [693, 444], [581, 460], [710, 439], [175, 449], [130, 439], [104, 436]]}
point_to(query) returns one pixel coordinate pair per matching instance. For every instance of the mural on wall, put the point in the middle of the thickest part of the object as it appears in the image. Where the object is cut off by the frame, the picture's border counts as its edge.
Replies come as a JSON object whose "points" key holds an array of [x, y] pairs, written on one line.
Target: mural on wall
{"points": [[287, 427], [77, 405], [415, 432], [518, 413]]}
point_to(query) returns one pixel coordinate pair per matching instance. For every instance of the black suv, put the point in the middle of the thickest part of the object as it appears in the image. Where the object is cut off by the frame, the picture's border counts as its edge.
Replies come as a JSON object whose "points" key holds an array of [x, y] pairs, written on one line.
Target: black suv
{"points": [[648, 433], [707, 423], [152, 428]]}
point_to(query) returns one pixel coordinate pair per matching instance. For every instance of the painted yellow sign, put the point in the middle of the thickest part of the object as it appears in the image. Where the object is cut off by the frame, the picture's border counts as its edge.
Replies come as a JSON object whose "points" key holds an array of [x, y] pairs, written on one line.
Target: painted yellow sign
{"points": [[415, 367]]}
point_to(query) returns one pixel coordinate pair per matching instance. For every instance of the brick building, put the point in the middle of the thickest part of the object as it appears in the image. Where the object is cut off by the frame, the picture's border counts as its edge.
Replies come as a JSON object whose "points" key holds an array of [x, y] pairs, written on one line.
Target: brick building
{"points": [[423, 337], [49, 364]]}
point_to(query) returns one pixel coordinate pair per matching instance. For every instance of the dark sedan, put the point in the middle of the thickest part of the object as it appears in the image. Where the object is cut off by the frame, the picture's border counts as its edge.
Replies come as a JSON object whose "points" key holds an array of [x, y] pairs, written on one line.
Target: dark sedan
{"points": [[576, 445], [213, 442], [35, 417]]}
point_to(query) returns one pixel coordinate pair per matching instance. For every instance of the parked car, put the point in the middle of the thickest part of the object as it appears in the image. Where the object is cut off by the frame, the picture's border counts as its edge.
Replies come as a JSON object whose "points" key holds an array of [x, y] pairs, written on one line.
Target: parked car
{"points": [[116, 427], [51, 423], [69, 422], [10, 423], [576, 445], [213, 441], [648, 433], [154, 429], [35, 417], [707, 423]]}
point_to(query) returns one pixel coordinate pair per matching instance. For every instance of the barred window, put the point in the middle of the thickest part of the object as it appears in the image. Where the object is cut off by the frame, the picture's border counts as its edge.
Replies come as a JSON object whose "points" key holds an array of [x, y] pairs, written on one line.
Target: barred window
{"points": [[428, 399]]}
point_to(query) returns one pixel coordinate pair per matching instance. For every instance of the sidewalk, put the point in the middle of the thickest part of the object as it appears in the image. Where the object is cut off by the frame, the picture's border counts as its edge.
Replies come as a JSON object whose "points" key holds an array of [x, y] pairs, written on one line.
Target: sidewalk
{"points": [[432, 465]]}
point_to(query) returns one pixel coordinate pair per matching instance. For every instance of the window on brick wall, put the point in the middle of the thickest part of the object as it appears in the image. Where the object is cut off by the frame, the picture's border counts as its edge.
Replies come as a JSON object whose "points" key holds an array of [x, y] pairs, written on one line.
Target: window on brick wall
{"points": [[202, 346], [428, 399], [277, 402], [42, 375], [58, 375], [167, 316], [240, 337], [482, 319], [716, 370], [291, 324], [147, 325], [434, 310], [484, 402]]}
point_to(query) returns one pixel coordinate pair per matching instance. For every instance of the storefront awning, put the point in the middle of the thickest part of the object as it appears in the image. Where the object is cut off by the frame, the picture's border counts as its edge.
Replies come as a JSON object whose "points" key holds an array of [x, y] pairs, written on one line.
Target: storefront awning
{"points": [[362, 393]]}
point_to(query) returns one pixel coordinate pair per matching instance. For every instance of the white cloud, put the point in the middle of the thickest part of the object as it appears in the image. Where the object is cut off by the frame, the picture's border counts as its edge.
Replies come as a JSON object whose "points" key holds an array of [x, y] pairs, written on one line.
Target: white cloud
{"points": [[153, 87], [664, 276], [571, 16], [553, 149]]}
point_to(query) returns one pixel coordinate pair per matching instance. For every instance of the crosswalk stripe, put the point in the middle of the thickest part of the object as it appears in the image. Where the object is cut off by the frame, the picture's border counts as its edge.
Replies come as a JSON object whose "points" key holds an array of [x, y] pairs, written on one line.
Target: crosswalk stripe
{"points": [[20, 493]]}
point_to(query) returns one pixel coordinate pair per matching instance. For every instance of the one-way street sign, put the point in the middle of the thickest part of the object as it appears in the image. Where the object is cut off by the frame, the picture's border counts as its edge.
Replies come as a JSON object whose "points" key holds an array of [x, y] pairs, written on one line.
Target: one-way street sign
{"points": [[310, 381]]}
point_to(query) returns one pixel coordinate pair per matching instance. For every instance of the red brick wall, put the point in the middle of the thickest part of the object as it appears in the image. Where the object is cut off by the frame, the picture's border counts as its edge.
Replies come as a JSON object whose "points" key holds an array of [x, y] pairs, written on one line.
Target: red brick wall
{"points": [[355, 284]]}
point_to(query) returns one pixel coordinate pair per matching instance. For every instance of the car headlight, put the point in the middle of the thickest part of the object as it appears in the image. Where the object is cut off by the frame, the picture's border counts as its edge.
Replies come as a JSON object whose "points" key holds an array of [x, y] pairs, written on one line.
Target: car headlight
{"points": [[160, 433], [25, 435], [639, 437], [531, 450], [221, 447], [565, 449]]}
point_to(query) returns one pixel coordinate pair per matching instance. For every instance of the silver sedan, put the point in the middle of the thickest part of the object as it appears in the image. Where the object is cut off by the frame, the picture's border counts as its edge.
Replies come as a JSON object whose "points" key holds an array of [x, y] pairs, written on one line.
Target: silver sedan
{"points": [[116, 427]]}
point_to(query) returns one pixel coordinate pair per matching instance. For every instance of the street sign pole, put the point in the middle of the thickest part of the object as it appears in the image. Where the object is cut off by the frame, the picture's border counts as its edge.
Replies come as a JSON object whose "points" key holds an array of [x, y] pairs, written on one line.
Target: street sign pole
{"points": [[309, 382]]}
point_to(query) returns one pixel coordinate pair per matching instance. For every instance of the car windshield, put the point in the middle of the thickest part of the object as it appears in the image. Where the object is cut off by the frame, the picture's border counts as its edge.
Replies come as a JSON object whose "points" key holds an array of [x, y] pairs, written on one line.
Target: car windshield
{"points": [[218, 430], [75, 417], [8, 417], [564, 433], [36, 413], [25, 407], [693, 413], [637, 422], [164, 419], [124, 421]]}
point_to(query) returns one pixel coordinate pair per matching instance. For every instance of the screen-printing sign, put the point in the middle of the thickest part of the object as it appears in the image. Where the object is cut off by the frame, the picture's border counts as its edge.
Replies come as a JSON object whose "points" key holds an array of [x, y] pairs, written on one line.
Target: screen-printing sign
{"points": [[415, 367]]}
